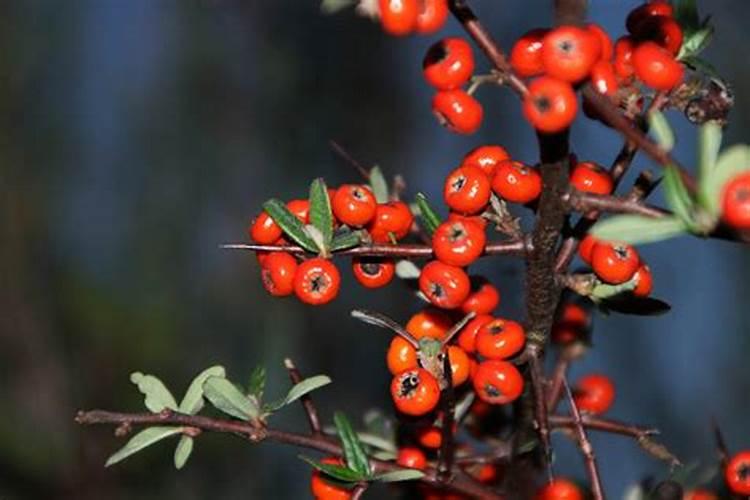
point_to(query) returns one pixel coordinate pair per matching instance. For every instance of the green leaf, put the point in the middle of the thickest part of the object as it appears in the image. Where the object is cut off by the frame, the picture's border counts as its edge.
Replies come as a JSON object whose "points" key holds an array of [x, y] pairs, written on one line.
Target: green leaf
{"points": [[732, 161], [399, 475], [702, 66], [182, 451], [696, 42], [346, 240], [336, 471], [320, 210], [257, 383], [709, 142], [637, 229], [228, 399], [143, 439], [407, 270], [290, 224], [605, 291], [686, 14], [661, 129], [677, 196], [354, 453], [157, 395], [193, 402], [429, 217], [300, 389], [333, 6], [379, 185], [378, 442]]}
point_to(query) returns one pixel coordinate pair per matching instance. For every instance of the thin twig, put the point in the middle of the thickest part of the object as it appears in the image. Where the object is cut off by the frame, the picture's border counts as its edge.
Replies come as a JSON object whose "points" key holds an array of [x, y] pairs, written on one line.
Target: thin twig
{"points": [[447, 443], [603, 425], [556, 381], [359, 491], [585, 202], [306, 400], [721, 445], [344, 154]]}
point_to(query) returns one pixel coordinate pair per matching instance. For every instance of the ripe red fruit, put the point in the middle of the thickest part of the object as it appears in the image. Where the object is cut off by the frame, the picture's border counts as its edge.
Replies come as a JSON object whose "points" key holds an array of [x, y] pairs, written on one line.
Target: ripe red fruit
{"points": [[277, 273], [458, 111], [735, 201], [448, 64], [430, 437], [559, 489], [398, 17], [411, 457], [657, 67], [516, 182], [500, 339], [497, 382], [467, 338], [429, 322], [486, 158], [432, 16], [645, 11], [373, 272], [644, 281], [444, 285], [401, 356], [526, 54], [603, 78], [393, 218], [458, 243], [415, 392], [569, 52], [594, 394], [317, 281], [264, 230], [614, 263], [550, 105], [483, 298], [699, 494], [301, 209], [586, 247], [324, 488], [354, 205], [460, 365], [737, 473], [591, 178], [663, 30], [467, 190], [605, 42], [624, 48], [571, 324]]}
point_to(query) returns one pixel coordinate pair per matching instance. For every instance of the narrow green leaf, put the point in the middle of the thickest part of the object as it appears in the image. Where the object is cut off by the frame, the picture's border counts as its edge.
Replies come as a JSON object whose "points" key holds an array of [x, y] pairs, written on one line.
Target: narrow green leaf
{"points": [[354, 453], [320, 210], [228, 399], [290, 224], [702, 66], [182, 451], [661, 129], [143, 439], [257, 384], [407, 270], [346, 240], [637, 229], [336, 471], [732, 161], [605, 291], [677, 196], [686, 14], [709, 142], [399, 475], [157, 395], [379, 185], [429, 217], [193, 402], [375, 441], [299, 390], [696, 42]]}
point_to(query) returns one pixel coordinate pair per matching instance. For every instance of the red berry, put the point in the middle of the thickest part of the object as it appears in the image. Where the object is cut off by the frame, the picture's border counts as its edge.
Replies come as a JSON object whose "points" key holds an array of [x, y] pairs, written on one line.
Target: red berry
{"points": [[458, 243], [373, 272], [398, 17], [467, 338], [614, 263], [264, 230], [735, 201], [411, 457], [737, 473], [324, 488], [430, 437], [605, 42], [500, 339], [432, 16], [516, 182], [644, 282], [444, 285], [603, 78], [485, 158], [569, 52], [559, 489], [526, 54], [430, 322], [571, 324], [699, 494], [497, 382], [448, 63], [645, 11], [656, 67], [594, 394], [662, 30], [354, 205], [586, 248], [415, 392], [624, 48], [550, 105], [467, 190], [401, 356], [277, 273], [460, 365], [483, 298], [458, 111], [301, 210], [591, 178], [317, 281], [392, 218]]}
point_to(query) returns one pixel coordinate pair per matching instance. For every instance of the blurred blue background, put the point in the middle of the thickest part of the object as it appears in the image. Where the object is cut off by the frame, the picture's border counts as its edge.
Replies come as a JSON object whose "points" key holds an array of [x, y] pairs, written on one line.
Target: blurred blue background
{"points": [[139, 135]]}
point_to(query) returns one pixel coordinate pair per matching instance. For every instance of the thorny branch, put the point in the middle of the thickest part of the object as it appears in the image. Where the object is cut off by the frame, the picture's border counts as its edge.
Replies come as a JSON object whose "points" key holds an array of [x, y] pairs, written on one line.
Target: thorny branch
{"points": [[306, 400], [586, 448]]}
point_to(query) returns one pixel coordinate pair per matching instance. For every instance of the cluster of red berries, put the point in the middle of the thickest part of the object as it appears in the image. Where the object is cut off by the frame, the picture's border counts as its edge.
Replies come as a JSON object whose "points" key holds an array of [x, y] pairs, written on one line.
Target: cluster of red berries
{"points": [[317, 280], [403, 17]]}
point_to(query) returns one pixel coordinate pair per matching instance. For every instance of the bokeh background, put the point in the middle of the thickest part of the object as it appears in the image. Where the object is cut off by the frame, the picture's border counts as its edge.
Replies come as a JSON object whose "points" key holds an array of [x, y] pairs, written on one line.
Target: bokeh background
{"points": [[136, 136]]}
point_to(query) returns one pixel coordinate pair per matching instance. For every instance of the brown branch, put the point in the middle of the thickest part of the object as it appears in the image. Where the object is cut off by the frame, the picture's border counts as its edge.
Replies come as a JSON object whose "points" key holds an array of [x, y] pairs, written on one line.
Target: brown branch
{"points": [[447, 442], [257, 434], [585, 445], [306, 400], [586, 202], [559, 372], [603, 425], [344, 154], [409, 251]]}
